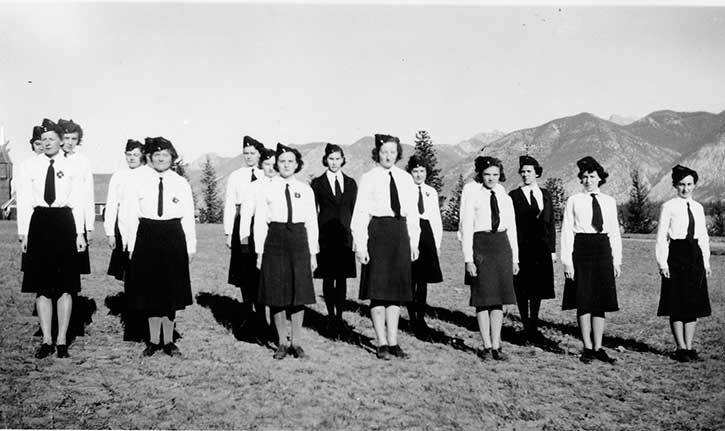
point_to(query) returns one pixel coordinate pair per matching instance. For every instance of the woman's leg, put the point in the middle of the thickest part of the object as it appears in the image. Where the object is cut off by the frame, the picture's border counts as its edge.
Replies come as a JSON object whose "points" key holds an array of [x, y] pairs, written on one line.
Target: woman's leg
{"points": [[328, 293], [677, 331], [377, 315], [484, 326], [280, 322], [523, 304], [421, 301], [155, 330], [340, 296], [585, 326], [535, 305], [496, 321], [597, 330], [168, 329], [45, 314], [65, 307], [297, 315], [689, 333], [392, 316]]}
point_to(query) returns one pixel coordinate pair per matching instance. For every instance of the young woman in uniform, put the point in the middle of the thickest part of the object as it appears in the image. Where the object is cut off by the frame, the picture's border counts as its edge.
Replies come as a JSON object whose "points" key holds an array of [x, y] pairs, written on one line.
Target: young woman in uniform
{"points": [[335, 194], [285, 232], [591, 251], [158, 220], [386, 231], [426, 269], [683, 255], [536, 234], [50, 229], [72, 138], [490, 250]]}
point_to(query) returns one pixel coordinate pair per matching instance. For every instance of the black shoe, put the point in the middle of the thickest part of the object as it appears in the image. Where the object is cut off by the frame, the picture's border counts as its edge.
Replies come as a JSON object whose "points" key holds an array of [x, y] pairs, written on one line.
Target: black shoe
{"points": [[150, 349], [383, 352], [171, 349], [681, 355], [484, 354], [62, 350], [498, 355], [587, 356], [281, 352], [601, 355], [44, 351], [691, 354], [297, 352], [397, 352]]}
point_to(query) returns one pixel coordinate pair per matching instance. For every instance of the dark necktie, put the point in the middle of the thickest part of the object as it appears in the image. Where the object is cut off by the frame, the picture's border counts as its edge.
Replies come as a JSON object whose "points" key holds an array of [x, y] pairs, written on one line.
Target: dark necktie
{"points": [[597, 220], [49, 194], [690, 223], [495, 216], [160, 204], [421, 207], [534, 204], [289, 203], [338, 190], [394, 198], [254, 177]]}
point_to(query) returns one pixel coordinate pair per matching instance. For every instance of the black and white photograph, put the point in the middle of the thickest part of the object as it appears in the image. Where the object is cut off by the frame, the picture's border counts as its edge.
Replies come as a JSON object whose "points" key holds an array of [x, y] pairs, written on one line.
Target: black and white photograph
{"points": [[352, 215]]}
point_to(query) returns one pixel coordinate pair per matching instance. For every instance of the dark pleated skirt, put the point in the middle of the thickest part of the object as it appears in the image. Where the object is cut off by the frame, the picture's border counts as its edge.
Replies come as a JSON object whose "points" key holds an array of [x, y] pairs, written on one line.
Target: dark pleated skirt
{"points": [[684, 295], [593, 289], [336, 259], [158, 283], [427, 268], [51, 260], [285, 279], [387, 276], [494, 282], [535, 279], [243, 271], [84, 257], [118, 265]]}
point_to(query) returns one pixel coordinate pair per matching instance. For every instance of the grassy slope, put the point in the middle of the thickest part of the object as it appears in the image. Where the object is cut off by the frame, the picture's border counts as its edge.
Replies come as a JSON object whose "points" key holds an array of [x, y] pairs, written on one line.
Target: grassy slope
{"points": [[225, 383]]}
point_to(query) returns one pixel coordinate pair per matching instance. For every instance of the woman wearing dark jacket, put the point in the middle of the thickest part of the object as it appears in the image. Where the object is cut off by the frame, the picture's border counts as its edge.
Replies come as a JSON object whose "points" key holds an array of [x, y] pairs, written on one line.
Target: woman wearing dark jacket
{"points": [[536, 234], [335, 194]]}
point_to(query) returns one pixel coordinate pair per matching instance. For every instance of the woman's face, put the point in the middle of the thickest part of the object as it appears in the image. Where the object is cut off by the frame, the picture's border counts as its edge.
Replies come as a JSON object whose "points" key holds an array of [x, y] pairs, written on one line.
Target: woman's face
{"points": [[133, 158], [334, 162], [287, 164], [161, 160], [70, 140], [268, 167], [38, 146], [490, 177], [685, 187], [418, 173], [251, 156], [590, 181], [51, 143], [528, 174], [388, 154]]}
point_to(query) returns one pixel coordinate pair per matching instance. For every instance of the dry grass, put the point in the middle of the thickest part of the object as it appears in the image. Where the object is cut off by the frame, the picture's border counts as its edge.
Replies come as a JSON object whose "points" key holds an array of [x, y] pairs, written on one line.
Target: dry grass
{"points": [[222, 382]]}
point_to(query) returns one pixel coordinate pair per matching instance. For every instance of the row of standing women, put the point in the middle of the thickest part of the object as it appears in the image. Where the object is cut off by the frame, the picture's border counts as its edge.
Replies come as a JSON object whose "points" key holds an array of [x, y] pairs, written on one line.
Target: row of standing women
{"points": [[283, 233]]}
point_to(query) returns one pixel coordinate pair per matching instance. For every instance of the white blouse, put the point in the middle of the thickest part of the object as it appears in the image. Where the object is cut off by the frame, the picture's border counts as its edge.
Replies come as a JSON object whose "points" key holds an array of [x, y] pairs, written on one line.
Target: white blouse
{"points": [[673, 225], [89, 199], [237, 186], [120, 180], [498, 188], [578, 219], [373, 200], [476, 217], [141, 201], [249, 205], [432, 211], [31, 189], [271, 207]]}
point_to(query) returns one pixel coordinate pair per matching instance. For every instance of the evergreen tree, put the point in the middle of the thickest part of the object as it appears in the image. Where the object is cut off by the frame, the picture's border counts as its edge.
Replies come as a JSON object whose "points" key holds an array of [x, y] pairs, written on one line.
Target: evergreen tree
{"points": [[451, 212], [425, 151], [639, 212], [715, 211], [555, 186], [212, 209]]}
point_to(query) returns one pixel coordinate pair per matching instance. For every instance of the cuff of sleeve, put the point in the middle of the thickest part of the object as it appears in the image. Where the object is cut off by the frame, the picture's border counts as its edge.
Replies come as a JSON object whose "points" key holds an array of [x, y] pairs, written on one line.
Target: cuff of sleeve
{"points": [[468, 257]]}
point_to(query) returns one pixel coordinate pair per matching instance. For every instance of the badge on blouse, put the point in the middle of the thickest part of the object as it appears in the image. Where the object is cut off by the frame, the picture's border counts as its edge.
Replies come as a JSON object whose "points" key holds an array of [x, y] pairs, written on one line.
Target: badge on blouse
{"points": [[60, 174], [427, 194], [175, 200], [297, 195]]}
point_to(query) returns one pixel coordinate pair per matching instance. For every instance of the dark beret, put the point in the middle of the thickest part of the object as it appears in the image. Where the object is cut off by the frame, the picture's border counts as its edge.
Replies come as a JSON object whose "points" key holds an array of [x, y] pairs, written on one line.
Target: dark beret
{"points": [[381, 139], [679, 172], [132, 144]]}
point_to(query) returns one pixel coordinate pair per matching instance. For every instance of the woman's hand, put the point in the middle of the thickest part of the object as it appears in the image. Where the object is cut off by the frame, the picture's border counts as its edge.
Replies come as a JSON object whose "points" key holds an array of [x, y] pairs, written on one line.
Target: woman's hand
{"points": [[665, 272], [313, 262], [414, 254], [471, 269], [617, 270], [229, 241], [553, 258], [363, 258], [111, 241], [80, 243], [259, 261], [569, 272], [23, 242], [516, 268], [708, 272], [191, 256]]}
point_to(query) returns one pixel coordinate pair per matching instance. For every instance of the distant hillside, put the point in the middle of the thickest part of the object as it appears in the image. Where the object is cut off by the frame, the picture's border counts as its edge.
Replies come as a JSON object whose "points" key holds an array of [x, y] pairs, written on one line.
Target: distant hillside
{"points": [[622, 120]]}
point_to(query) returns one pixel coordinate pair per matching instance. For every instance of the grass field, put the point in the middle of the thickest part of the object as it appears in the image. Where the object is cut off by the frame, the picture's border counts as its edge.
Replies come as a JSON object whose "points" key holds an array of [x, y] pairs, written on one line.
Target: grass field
{"points": [[225, 382]]}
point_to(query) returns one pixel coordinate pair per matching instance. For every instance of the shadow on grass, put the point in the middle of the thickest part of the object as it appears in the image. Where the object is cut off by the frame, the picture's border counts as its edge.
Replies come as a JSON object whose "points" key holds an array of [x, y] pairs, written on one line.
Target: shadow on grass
{"points": [[81, 316], [512, 336], [135, 325], [232, 315]]}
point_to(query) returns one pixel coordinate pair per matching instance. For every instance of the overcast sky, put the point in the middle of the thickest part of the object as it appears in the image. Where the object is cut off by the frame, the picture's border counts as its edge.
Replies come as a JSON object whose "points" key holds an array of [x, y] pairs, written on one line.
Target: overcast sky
{"points": [[204, 75]]}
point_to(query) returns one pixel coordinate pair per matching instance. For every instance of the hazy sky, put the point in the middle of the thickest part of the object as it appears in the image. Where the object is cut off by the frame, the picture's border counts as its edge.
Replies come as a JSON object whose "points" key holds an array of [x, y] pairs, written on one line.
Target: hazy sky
{"points": [[204, 75]]}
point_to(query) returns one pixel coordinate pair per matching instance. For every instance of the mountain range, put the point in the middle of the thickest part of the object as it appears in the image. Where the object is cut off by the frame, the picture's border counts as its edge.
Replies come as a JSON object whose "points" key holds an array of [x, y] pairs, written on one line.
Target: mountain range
{"points": [[652, 144]]}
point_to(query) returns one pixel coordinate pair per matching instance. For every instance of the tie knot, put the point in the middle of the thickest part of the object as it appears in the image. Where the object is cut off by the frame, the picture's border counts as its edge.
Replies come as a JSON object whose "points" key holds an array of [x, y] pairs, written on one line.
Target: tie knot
{"points": [[493, 193], [688, 205], [286, 186], [161, 179], [593, 195], [53, 161]]}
